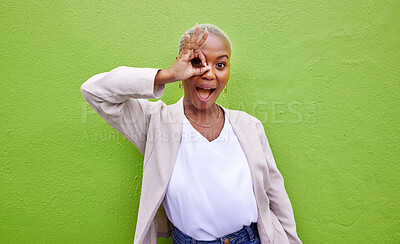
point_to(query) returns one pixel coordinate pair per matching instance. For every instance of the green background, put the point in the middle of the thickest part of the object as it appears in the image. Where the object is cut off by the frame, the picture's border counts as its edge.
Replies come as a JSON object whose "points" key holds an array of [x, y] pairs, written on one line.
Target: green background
{"points": [[322, 76]]}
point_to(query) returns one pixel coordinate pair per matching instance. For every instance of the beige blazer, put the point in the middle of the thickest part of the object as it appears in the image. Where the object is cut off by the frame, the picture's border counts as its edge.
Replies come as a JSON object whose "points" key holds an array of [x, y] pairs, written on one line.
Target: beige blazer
{"points": [[119, 97]]}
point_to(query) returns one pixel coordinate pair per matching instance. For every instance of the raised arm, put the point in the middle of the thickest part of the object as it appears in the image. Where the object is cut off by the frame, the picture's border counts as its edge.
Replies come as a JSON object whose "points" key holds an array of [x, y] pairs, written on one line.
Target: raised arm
{"points": [[119, 97], [279, 200]]}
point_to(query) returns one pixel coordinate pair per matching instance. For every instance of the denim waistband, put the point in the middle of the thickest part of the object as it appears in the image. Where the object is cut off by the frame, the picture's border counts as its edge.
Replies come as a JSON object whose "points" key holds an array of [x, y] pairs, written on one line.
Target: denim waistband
{"points": [[249, 231]]}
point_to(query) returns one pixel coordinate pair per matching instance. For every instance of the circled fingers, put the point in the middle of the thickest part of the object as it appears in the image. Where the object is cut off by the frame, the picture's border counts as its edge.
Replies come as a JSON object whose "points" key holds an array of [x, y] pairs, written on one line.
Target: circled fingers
{"points": [[199, 54]]}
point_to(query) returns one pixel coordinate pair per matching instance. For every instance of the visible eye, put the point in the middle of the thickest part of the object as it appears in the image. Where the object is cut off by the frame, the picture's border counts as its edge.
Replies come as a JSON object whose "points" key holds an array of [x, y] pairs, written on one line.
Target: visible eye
{"points": [[221, 65], [197, 62]]}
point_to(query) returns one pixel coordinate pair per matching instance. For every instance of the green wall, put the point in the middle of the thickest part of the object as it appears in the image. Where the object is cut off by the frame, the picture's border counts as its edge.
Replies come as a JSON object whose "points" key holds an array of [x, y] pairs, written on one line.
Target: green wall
{"points": [[323, 77]]}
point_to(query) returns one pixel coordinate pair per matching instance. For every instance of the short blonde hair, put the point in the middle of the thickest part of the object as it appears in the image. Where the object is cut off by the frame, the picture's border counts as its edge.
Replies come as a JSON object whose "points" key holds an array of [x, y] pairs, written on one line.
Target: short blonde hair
{"points": [[212, 29]]}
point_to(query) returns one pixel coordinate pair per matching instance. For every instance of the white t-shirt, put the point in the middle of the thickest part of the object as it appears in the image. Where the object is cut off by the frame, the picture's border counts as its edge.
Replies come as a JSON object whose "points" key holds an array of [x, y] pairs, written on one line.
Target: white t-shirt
{"points": [[210, 193]]}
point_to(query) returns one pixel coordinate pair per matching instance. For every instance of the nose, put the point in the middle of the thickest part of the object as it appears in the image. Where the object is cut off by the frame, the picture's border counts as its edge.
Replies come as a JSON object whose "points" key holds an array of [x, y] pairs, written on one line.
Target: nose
{"points": [[209, 74]]}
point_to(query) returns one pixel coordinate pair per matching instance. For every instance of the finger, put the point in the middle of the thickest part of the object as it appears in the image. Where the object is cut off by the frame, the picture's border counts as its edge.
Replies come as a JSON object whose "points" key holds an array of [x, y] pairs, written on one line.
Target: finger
{"points": [[190, 54], [200, 71], [205, 69], [201, 56], [202, 39], [184, 55], [186, 44], [194, 38]]}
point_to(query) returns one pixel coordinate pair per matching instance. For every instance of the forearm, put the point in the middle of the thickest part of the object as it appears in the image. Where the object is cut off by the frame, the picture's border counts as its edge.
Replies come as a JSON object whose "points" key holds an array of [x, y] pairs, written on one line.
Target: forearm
{"points": [[163, 77]]}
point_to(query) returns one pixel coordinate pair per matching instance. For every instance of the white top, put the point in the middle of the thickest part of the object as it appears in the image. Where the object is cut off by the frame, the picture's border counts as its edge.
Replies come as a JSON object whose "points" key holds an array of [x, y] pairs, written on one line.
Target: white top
{"points": [[210, 193]]}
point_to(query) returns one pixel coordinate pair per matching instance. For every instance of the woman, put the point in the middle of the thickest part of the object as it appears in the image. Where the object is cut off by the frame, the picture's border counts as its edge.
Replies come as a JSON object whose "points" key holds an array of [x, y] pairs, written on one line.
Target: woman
{"points": [[208, 173]]}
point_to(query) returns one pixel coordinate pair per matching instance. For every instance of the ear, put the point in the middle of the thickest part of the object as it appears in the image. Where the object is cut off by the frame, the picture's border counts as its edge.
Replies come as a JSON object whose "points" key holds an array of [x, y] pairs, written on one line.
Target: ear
{"points": [[176, 58]]}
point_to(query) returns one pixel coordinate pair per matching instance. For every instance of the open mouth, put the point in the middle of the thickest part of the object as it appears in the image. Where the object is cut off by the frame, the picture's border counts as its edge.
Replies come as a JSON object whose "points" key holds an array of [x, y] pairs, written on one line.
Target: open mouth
{"points": [[204, 93]]}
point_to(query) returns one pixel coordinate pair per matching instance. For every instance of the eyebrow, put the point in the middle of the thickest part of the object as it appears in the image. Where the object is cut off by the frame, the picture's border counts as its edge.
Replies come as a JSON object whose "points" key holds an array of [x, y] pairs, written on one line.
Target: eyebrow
{"points": [[223, 56]]}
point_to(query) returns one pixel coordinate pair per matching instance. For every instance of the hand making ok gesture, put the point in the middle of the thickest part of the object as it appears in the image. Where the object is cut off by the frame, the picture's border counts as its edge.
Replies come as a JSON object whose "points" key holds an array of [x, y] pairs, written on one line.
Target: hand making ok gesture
{"points": [[183, 67]]}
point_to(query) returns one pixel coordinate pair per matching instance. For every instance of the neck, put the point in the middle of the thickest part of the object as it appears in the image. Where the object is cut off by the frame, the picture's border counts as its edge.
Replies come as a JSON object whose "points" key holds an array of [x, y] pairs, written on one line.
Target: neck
{"points": [[201, 115]]}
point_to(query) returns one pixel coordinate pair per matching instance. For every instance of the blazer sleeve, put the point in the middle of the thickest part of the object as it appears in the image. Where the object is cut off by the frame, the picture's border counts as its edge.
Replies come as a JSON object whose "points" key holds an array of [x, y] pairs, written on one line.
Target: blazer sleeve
{"points": [[279, 200], [119, 97]]}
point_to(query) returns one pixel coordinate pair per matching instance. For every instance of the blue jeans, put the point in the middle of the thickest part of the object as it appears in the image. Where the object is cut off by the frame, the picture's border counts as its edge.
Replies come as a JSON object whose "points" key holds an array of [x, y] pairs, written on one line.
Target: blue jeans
{"points": [[248, 234]]}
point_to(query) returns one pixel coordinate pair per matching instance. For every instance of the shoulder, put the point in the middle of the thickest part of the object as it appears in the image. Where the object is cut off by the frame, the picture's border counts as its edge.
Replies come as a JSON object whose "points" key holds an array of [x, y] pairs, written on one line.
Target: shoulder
{"points": [[242, 116], [246, 121]]}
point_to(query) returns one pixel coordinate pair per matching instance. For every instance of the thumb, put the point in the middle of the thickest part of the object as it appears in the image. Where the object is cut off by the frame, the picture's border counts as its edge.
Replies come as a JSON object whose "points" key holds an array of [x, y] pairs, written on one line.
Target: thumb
{"points": [[201, 70]]}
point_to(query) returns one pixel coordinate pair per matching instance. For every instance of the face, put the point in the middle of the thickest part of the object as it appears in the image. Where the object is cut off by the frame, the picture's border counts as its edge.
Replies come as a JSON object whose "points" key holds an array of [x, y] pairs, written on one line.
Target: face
{"points": [[203, 90]]}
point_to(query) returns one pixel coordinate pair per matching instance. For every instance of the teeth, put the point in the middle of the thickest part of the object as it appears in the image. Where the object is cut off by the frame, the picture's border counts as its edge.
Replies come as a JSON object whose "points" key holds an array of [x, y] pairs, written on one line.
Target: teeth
{"points": [[206, 88]]}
